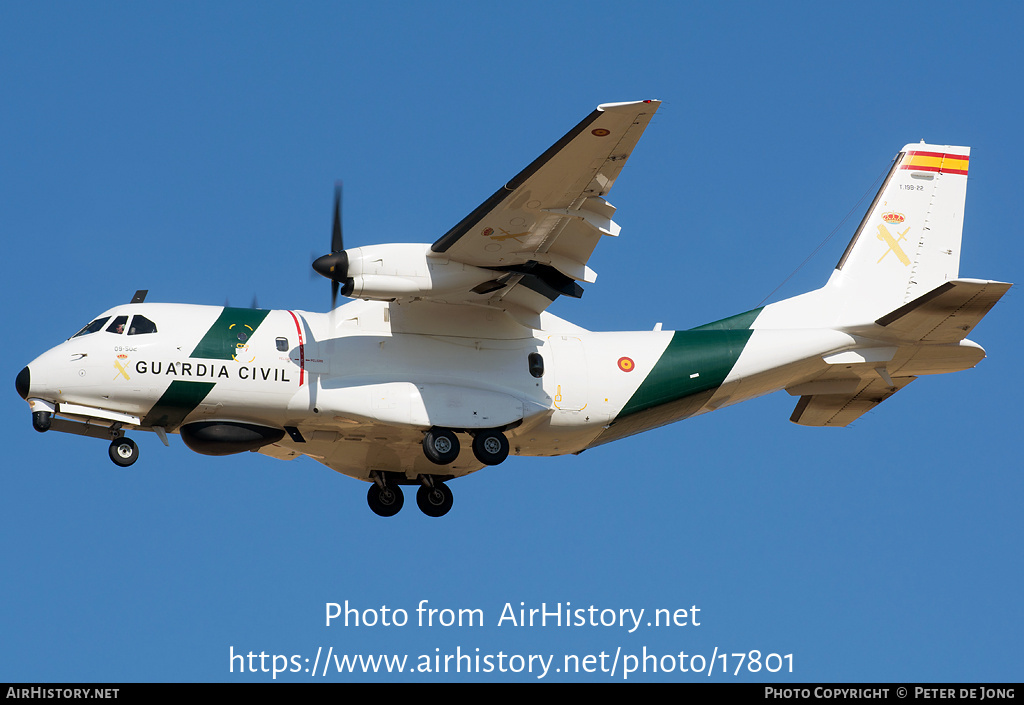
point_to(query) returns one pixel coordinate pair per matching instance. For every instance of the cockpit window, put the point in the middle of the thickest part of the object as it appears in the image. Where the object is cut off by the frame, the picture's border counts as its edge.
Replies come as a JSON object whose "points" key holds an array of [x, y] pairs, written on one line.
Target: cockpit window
{"points": [[92, 327], [118, 325], [141, 325]]}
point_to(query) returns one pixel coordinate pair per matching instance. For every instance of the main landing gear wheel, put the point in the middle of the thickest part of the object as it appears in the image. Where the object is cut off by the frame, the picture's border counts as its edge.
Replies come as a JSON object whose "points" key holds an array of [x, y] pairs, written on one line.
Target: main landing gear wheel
{"points": [[441, 446], [123, 451], [434, 501], [386, 501], [490, 447]]}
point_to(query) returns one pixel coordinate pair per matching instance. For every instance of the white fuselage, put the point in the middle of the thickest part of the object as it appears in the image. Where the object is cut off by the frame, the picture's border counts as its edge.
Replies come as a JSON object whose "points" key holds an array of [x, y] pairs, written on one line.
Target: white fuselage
{"points": [[357, 387]]}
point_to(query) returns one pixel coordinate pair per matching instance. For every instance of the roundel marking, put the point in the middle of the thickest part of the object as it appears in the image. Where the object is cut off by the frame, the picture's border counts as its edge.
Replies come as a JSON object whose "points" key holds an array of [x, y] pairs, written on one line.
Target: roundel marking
{"points": [[626, 364], [600, 132]]}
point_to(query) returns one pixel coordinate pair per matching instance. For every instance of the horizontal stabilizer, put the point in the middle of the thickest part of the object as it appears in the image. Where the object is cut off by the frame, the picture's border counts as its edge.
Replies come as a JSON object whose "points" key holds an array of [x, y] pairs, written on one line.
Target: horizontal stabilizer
{"points": [[947, 313], [843, 409]]}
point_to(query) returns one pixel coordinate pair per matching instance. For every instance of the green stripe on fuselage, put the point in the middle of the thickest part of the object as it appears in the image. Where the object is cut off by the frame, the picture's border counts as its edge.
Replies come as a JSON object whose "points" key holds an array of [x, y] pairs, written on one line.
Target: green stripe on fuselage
{"points": [[694, 361], [232, 329], [176, 403], [741, 321]]}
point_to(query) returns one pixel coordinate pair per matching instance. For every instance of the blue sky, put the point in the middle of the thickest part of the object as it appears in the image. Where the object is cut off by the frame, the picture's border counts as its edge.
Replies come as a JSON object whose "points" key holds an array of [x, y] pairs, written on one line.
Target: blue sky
{"points": [[191, 149]]}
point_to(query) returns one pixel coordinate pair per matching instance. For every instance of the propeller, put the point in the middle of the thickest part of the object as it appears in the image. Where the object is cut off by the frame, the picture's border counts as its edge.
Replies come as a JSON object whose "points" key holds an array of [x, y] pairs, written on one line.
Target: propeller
{"points": [[335, 265]]}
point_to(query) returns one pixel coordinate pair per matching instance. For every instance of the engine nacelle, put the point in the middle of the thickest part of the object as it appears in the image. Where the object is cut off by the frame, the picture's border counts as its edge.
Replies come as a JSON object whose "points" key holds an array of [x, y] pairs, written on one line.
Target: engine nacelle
{"points": [[227, 437], [401, 271]]}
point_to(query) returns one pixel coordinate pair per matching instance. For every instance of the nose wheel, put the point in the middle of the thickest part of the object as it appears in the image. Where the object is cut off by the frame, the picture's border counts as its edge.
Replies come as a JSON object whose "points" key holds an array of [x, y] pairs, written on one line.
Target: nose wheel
{"points": [[123, 451]]}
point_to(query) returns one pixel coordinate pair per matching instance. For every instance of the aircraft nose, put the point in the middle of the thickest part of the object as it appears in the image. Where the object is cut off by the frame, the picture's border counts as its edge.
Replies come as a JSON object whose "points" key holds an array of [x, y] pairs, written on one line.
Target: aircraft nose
{"points": [[22, 383]]}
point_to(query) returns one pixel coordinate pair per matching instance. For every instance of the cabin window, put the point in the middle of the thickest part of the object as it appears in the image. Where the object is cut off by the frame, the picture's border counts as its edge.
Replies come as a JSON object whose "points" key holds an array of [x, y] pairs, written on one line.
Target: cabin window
{"points": [[92, 327], [282, 344], [141, 325], [536, 363]]}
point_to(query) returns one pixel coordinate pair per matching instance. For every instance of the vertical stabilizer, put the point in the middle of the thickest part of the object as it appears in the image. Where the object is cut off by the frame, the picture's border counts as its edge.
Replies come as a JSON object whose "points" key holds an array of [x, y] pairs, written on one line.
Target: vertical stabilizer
{"points": [[909, 241]]}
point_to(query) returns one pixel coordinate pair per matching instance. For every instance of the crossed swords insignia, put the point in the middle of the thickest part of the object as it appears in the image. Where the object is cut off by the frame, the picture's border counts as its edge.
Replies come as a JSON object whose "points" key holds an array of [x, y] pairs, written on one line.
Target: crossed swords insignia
{"points": [[121, 371], [508, 235], [894, 244]]}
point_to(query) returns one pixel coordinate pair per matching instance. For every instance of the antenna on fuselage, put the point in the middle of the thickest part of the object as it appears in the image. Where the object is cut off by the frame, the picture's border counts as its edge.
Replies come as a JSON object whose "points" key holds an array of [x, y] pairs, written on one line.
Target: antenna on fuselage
{"points": [[140, 296]]}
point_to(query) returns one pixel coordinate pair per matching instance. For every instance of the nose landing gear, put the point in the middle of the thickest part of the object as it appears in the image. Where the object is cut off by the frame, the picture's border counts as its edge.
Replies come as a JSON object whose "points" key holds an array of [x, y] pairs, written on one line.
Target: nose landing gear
{"points": [[123, 451]]}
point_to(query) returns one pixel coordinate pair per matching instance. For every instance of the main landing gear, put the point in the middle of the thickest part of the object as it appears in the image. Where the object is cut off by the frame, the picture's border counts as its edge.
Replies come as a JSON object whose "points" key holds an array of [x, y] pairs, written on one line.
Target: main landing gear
{"points": [[385, 498], [434, 498], [490, 447], [441, 446]]}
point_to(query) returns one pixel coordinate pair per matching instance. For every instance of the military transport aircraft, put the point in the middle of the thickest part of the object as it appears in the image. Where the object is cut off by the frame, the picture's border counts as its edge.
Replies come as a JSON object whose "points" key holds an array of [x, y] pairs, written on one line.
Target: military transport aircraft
{"points": [[448, 360]]}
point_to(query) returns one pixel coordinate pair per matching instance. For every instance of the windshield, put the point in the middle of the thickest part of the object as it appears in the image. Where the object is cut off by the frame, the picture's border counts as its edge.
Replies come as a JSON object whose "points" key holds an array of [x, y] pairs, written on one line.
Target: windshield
{"points": [[92, 327], [118, 325], [141, 325]]}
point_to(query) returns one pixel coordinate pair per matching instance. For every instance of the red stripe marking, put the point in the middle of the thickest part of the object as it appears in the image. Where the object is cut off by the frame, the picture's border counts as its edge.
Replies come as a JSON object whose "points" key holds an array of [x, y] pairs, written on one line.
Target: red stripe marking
{"points": [[302, 349], [940, 154]]}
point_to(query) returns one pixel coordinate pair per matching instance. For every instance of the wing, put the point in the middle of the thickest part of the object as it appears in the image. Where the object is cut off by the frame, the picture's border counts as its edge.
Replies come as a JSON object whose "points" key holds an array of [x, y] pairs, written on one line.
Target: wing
{"points": [[537, 232]]}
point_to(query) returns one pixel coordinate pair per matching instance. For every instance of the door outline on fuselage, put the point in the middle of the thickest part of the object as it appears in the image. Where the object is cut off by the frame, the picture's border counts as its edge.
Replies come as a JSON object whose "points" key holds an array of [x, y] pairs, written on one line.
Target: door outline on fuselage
{"points": [[568, 384]]}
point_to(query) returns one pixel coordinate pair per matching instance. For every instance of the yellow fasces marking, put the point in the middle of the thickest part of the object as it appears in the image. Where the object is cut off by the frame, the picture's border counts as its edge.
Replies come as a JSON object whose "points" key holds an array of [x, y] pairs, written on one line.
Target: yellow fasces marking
{"points": [[121, 370], [885, 236], [508, 235], [240, 349]]}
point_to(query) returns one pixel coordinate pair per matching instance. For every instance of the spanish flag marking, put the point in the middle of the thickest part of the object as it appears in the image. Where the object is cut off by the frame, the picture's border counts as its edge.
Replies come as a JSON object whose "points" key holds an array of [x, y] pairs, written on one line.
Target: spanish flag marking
{"points": [[937, 162]]}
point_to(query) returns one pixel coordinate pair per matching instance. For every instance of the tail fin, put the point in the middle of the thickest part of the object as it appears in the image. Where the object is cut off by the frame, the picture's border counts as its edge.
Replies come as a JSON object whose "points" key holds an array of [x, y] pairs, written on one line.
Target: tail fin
{"points": [[909, 241]]}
